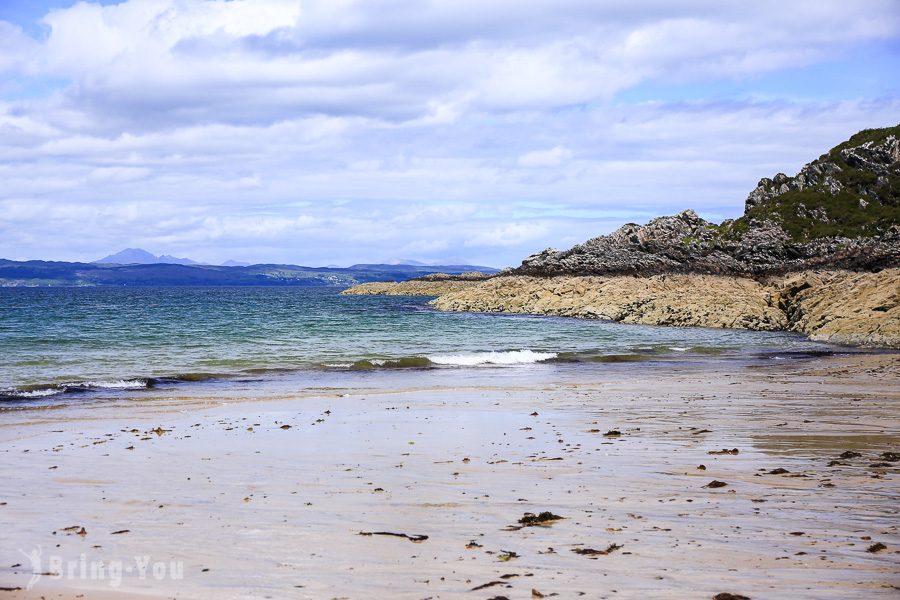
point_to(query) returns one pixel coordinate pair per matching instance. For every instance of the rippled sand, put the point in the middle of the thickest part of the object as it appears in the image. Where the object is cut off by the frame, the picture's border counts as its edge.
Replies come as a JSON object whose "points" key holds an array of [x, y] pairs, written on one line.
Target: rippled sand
{"points": [[268, 498]]}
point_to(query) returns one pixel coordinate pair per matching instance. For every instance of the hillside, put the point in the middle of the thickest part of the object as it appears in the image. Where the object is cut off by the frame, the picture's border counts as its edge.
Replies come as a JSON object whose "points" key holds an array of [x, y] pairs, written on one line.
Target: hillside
{"points": [[841, 210], [50, 273], [851, 191]]}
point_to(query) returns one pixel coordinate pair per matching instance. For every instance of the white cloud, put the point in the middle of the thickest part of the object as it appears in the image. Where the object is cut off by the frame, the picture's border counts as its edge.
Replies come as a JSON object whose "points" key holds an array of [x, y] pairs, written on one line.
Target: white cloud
{"points": [[118, 174], [330, 131], [512, 234], [16, 48], [545, 158], [170, 62]]}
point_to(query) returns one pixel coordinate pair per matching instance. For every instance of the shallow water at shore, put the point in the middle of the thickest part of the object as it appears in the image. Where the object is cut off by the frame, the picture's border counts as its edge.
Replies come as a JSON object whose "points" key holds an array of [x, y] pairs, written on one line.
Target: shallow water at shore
{"points": [[91, 342]]}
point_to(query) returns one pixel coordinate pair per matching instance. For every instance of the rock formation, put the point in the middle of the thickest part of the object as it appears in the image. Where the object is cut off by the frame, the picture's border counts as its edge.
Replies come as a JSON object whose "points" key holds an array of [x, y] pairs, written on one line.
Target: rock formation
{"points": [[836, 306], [817, 253], [413, 287], [841, 211]]}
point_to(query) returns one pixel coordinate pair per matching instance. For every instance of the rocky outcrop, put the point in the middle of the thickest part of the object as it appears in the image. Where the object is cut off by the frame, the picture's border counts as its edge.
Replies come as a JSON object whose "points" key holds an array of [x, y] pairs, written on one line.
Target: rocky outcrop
{"points": [[686, 243], [467, 276], [678, 300], [843, 307], [864, 168], [841, 211], [413, 287], [433, 284], [838, 306], [682, 243]]}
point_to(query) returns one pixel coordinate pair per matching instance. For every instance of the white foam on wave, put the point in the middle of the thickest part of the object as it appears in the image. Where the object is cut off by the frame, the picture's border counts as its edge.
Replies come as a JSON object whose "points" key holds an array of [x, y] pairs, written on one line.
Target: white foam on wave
{"points": [[678, 348], [512, 357], [32, 393], [117, 384], [120, 384]]}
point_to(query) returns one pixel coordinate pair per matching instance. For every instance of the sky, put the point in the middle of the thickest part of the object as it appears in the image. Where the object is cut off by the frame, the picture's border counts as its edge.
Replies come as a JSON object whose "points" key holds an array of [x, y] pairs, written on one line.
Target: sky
{"points": [[324, 132]]}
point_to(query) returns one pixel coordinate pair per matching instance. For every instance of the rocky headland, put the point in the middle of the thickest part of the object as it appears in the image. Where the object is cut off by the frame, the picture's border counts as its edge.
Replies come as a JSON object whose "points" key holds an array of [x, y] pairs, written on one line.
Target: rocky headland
{"points": [[817, 253], [840, 211]]}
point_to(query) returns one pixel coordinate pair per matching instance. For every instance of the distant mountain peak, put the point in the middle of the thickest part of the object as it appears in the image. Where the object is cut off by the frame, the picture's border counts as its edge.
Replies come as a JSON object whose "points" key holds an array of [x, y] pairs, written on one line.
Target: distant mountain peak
{"points": [[139, 256], [129, 256]]}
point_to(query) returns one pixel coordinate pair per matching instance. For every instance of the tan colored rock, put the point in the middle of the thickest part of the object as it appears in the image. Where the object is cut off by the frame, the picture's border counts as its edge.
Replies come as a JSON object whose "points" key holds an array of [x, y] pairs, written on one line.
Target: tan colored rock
{"points": [[678, 300], [844, 307], [838, 306], [408, 288]]}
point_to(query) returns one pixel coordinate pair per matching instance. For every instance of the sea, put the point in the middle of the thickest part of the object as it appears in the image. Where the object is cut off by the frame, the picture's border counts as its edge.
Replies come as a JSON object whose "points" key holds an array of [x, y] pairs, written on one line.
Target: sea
{"points": [[90, 344]]}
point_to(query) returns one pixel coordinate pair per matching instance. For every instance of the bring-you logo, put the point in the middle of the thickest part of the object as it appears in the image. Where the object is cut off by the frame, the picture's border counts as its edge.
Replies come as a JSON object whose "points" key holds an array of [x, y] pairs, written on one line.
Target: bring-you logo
{"points": [[112, 572]]}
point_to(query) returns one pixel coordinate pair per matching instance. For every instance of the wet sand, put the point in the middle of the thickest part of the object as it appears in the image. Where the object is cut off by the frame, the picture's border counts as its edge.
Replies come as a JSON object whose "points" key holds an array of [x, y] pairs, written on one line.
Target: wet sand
{"points": [[267, 497]]}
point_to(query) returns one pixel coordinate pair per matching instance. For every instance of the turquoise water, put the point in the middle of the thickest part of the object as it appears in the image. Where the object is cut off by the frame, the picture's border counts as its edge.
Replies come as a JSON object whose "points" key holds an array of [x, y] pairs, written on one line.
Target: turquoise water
{"points": [[54, 340]]}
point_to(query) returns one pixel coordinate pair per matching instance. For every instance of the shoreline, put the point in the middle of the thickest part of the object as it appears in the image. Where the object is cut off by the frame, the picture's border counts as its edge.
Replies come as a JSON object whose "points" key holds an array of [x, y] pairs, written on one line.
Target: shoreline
{"points": [[275, 511], [66, 394]]}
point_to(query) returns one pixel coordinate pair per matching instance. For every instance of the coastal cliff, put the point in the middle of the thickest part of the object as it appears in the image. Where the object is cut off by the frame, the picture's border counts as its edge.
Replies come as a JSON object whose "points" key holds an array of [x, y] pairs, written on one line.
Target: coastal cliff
{"points": [[817, 253]]}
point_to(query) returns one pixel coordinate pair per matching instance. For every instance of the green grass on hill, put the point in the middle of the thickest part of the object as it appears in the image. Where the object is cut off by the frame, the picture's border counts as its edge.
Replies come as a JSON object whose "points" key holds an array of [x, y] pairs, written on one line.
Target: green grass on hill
{"points": [[846, 216]]}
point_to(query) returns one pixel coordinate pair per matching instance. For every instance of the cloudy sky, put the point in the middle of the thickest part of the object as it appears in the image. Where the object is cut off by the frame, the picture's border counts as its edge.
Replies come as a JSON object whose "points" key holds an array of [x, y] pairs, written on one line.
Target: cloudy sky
{"points": [[340, 131]]}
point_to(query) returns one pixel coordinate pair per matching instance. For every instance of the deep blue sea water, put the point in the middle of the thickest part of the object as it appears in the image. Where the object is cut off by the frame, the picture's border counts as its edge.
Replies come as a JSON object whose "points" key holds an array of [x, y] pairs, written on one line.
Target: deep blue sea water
{"points": [[54, 340]]}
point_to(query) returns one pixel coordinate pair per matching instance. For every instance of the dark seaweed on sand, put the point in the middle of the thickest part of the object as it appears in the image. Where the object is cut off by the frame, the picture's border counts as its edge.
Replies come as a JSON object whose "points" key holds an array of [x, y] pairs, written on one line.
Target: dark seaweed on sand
{"points": [[531, 519], [412, 538], [594, 552]]}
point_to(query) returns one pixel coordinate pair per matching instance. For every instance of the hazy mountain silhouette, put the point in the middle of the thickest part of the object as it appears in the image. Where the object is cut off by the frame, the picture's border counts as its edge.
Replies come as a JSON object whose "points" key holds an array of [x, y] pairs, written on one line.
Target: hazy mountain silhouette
{"points": [[139, 256]]}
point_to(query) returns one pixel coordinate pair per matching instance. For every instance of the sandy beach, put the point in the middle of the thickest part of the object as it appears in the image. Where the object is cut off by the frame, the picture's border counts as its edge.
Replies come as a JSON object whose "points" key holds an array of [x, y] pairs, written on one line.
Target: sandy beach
{"points": [[266, 494]]}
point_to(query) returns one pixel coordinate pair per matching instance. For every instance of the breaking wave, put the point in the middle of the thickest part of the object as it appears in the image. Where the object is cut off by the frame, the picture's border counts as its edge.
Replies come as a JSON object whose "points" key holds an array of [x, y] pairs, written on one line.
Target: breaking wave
{"points": [[463, 359], [120, 384], [45, 391], [25, 394], [511, 357]]}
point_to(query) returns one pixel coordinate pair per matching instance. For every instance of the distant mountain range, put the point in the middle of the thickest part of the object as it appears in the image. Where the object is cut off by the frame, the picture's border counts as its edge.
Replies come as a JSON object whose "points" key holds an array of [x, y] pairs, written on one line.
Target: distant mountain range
{"points": [[136, 267], [139, 256]]}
